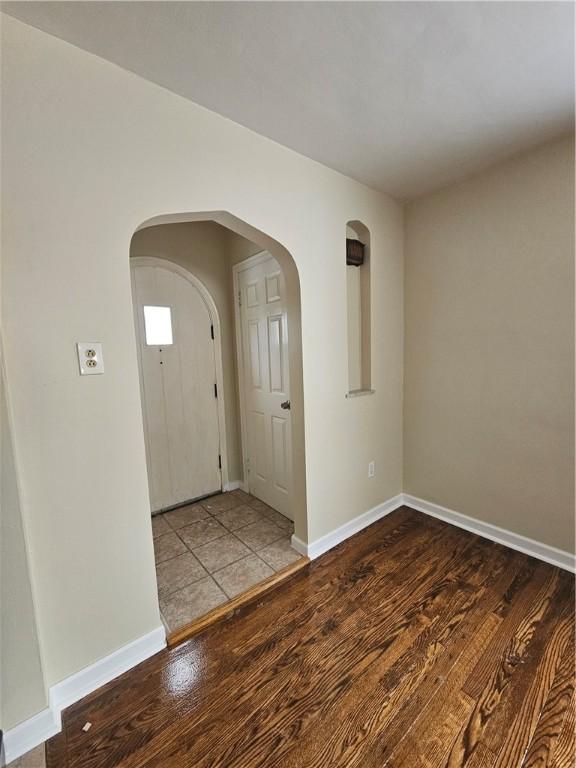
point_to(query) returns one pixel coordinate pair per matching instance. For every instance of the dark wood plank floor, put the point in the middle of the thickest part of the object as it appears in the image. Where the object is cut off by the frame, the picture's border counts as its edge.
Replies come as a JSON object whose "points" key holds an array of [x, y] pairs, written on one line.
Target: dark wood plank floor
{"points": [[412, 645]]}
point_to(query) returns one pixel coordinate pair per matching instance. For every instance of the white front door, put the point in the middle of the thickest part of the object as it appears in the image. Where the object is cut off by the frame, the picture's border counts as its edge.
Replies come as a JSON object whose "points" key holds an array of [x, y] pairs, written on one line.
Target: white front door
{"points": [[177, 382], [264, 336]]}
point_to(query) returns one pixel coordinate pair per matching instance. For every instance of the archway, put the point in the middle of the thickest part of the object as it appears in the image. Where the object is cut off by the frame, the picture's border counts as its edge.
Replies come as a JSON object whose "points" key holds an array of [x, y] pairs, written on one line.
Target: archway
{"points": [[290, 271], [254, 522]]}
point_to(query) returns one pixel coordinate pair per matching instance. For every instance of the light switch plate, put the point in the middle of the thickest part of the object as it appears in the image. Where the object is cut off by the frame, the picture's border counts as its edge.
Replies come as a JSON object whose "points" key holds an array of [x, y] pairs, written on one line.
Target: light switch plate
{"points": [[90, 358]]}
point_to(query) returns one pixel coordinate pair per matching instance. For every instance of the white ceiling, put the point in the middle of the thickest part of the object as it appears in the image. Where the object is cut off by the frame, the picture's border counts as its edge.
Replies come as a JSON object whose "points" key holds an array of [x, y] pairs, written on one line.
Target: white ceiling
{"points": [[404, 96]]}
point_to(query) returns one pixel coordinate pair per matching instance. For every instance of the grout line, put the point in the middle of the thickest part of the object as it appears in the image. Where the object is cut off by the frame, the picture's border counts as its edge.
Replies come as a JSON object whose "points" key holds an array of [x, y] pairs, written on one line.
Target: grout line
{"points": [[283, 536], [230, 563], [191, 549], [168, 559], [180, 589], [188, 583], [265, 563], [175, 530], [243, 501], [231, 597], [221, 589]]}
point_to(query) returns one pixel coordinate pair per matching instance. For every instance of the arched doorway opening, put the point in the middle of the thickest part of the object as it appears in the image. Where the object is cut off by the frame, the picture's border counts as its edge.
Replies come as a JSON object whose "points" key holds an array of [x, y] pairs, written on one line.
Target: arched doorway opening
{"points": [[247, 295]]}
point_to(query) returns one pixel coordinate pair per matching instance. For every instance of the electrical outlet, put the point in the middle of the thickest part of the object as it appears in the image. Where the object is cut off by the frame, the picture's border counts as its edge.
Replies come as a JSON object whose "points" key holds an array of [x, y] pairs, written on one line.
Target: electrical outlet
{"points": [[371, 470], [90, 357]]}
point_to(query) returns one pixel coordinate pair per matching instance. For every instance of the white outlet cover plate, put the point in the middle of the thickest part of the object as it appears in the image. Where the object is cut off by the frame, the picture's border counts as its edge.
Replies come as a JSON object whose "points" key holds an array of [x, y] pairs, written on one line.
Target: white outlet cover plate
{"points": [[90, 358]]}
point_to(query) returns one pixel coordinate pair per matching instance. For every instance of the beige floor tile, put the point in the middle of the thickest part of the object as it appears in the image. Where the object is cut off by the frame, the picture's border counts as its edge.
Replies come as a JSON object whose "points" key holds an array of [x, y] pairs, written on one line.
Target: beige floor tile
{"points": [[159, 526], [201, 532], [268, 512], [34, 759], [179, 518], [258, 535], [221, 552], [178, 572], [220, 503], [243, 574], [167, 546], [279, 554], [194, 600], [259, 505], [278, 519], [241, 496], [271, 514], [238, 517]]}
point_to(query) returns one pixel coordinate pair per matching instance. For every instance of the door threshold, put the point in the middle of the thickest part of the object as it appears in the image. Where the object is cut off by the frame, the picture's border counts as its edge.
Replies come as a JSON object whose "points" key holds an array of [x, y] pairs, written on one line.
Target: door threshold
{"points": [[227, 610], [187, 503]]}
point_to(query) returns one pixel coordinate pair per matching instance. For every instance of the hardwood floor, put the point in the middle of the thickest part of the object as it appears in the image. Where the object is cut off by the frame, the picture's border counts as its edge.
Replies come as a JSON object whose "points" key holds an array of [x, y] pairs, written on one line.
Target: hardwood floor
{"points": [[413, 644]]}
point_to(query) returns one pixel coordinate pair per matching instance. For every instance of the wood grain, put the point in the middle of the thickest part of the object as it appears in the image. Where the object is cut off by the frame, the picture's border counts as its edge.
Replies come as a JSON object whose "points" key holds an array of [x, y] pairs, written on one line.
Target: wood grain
{"points": [[411, 645], [555, 712]]}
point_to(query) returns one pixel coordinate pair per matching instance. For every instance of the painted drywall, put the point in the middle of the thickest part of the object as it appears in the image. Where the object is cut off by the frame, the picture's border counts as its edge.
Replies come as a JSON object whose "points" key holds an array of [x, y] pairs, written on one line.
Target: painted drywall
{"points": [[489, 363], [90, 153], [240, 248], [22, 689], [203, 249]]}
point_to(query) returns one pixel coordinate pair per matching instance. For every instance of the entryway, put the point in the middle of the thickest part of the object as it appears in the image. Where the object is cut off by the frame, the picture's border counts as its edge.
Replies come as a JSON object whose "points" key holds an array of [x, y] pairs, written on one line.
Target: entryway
{"points": [[213, 330]]}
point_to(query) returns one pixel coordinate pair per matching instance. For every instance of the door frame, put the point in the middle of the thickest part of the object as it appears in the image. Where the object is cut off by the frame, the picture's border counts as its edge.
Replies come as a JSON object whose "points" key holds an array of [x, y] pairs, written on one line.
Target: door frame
{"points": [[251, 261], [154, 261]]}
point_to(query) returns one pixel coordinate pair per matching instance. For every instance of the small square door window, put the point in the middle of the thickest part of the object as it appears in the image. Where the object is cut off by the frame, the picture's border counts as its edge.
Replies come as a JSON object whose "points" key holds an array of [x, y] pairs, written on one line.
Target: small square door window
{"points": [[158, 326]]}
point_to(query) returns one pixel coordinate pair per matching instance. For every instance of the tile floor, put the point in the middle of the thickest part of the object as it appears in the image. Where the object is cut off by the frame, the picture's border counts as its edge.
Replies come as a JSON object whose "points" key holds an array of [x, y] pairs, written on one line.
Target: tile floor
{"points": [[34, 759], [212, 551]]}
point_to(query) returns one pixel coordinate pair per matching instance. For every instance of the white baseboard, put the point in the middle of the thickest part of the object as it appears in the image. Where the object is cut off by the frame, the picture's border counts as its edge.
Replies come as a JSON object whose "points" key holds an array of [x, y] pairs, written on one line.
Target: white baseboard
{"points": [[299, 545], [29, 734], [338, 535], [47, 723], [233, 485], [510, 539], [90, 678]]}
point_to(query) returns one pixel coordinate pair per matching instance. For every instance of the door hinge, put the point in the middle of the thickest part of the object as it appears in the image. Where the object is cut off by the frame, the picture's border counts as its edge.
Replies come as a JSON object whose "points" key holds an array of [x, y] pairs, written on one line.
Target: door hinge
{"points": [[219, 461], [215, 390], [212, 332], [239, 298]]}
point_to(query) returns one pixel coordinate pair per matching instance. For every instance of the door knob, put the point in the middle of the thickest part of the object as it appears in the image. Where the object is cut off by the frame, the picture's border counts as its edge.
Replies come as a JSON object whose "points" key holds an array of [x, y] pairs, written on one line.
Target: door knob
{"points": [[285, 405]]}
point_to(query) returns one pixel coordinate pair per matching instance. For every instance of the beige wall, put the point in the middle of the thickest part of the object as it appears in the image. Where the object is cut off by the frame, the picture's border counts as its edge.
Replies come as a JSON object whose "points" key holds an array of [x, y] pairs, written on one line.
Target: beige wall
{"points": [[489, 376], [90, 153], [22, 692], [204, 249], [239, 248]]}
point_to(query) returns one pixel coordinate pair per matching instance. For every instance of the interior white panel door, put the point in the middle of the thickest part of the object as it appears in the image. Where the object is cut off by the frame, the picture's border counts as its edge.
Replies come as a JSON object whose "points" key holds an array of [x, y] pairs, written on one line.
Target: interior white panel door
{"points": [[177, 383], [264, 334]]}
